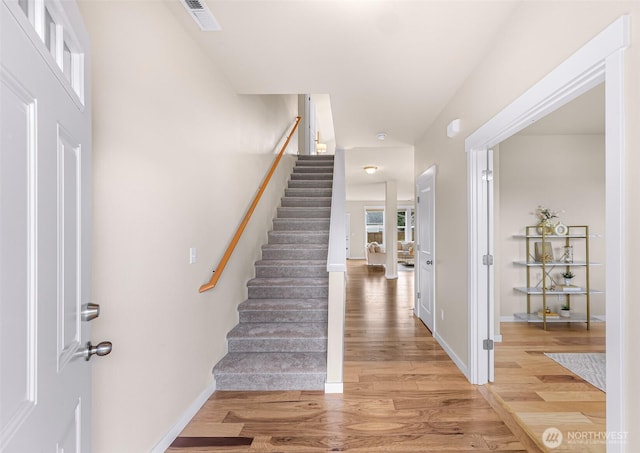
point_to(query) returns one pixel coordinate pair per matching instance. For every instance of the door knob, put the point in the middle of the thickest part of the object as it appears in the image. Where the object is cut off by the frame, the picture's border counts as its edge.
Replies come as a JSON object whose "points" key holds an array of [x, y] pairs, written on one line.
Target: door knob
{"points": [[102, 348], [90, 311]]}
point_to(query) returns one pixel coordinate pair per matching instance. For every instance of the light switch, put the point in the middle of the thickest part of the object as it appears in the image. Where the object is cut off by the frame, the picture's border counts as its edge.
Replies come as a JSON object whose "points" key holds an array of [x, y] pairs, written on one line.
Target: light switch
{"points": [[192, 255]]}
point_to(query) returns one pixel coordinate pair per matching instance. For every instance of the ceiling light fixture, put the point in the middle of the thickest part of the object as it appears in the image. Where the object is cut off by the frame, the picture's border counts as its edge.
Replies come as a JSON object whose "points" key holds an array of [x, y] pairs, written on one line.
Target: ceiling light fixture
{"points": [[381, 136], [371, 169]]}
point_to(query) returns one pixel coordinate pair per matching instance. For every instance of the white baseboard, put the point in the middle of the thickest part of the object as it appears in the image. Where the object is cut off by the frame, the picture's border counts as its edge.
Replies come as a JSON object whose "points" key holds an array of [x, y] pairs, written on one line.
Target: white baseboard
{"points": [[459, 363], [184, 419], [333, 387], [509, 318]]}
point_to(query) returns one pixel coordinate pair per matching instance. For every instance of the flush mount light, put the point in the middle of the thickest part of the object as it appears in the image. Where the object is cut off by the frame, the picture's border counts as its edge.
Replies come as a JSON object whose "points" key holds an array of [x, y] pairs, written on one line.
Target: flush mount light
{"points": [[371, 169], [381, 136]]}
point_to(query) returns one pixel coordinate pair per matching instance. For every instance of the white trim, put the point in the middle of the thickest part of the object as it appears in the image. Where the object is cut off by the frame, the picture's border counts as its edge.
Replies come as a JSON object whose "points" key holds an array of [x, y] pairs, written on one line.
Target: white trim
{"points": [[600, 58], [337, 254], [184, 419], [333, 387], [497, 338], [615, 250], [452, 355]]}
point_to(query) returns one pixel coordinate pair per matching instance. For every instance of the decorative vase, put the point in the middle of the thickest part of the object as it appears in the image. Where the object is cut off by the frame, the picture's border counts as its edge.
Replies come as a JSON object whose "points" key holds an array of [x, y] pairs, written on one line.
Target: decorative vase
{"points": [[567, 282], [545, 228]]}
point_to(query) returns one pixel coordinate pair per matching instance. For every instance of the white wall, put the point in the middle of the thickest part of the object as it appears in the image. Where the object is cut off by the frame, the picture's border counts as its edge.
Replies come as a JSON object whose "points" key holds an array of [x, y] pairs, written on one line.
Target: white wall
{"points": [[177, 158], [536, 39], [563, 173]]}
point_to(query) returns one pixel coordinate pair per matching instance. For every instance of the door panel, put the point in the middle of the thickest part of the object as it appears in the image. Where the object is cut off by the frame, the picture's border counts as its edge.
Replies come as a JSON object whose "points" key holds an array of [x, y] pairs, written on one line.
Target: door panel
{"points": [[45, 169], [17, 242], [426, 245]]}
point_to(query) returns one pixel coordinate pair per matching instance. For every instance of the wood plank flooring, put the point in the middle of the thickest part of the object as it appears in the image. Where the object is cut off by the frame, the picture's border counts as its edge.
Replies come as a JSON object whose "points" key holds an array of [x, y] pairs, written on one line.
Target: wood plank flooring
{"points": [[402, 393], [540, 393]]}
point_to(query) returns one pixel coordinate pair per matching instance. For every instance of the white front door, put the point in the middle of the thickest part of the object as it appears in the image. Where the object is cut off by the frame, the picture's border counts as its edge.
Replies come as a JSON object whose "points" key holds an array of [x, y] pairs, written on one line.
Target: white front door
{"points": [[45, 264], [426, 243]]}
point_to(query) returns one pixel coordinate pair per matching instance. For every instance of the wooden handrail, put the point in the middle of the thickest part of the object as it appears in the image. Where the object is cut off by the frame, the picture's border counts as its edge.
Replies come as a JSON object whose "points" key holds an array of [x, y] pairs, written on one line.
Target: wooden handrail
{"points": [[227, 254]]}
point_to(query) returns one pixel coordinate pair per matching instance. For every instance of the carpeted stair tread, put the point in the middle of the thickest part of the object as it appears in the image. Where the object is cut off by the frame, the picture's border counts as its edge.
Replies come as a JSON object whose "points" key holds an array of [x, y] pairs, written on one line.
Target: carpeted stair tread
{"points": [[298, 237], [301, 224], [275, 362], [292, 282], [314, 184], [306, 202], [311, 176], [279, 330], [291, 268], [291, 263], [308, 192], [283, 305], [304, 213], [283, 310]]}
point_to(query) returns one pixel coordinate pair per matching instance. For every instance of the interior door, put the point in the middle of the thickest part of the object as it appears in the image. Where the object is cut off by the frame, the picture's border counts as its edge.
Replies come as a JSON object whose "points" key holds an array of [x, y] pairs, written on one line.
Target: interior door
{"points": [[426, 245], [45, 264]]}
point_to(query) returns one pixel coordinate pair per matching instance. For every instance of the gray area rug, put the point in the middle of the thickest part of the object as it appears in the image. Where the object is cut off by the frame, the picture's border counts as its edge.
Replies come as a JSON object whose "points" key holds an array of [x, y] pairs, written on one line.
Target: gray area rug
{"points": [[589, 366]]}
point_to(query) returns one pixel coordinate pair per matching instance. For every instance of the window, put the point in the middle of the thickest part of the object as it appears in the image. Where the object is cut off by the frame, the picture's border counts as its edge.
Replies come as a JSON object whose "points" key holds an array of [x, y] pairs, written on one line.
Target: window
{"points": [[374, 225], [406, 224]]}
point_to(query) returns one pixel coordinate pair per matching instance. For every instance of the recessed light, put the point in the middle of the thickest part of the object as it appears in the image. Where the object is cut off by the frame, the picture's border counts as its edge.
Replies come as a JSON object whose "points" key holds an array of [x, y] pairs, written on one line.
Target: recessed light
{"points": [[371, 169], [381, 136]]}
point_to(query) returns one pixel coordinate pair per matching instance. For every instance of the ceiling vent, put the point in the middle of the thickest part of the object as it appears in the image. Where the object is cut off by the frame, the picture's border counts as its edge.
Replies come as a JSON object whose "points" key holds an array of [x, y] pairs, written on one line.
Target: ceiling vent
{"points": [[201, 14]]}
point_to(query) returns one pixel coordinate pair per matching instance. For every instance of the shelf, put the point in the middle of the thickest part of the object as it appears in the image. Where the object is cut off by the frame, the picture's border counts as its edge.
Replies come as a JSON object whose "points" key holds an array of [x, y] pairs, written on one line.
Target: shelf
{"points": [[557, 236], [575, 317], [555, 263], [538, 291]]}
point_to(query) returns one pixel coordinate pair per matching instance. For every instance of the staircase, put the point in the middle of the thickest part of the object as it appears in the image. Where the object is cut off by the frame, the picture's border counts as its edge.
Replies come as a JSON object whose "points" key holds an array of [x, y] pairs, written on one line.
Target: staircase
{"points": [[281, 340]]}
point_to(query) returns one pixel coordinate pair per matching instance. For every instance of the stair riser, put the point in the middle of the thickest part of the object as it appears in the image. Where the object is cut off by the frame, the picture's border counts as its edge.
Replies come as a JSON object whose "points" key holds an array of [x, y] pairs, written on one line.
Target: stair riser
{"points": [[315, 163], [314, 184], [312, 169], [317, 157], [298, 225], [291, 271], [260, 382], [298, 202], [285, 237], [302, 213], [278, 345], [318, 254], [288, 292], [311, 176], [306, 193], [283, 316]]}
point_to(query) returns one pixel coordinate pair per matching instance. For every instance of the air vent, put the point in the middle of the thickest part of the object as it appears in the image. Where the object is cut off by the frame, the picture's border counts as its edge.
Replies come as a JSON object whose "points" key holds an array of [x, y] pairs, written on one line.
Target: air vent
{"points": [[201, 14]]}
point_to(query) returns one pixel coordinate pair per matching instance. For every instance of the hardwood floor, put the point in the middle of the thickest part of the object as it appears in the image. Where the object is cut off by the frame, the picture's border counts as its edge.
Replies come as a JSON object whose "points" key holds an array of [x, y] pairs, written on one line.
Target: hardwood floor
{"points": [[401, 394], [541, 394]]}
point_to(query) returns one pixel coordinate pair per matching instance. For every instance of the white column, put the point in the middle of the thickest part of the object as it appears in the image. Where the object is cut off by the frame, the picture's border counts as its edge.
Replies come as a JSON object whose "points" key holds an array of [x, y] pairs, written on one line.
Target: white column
{"points": [[391, 229]]}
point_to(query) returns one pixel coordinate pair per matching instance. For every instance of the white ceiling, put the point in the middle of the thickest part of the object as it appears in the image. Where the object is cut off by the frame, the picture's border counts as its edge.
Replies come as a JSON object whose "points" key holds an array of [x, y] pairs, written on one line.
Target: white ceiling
{"points": [[378, 66]]}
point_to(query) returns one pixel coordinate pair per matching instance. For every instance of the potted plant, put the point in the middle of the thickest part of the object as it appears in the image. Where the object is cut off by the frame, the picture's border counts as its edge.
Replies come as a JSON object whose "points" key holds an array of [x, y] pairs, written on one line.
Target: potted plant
{"points": [[565, 311], [567, 275]]}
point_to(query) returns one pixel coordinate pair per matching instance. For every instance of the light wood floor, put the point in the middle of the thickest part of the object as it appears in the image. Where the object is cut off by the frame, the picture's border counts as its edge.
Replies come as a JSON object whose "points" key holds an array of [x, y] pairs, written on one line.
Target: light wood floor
{"points": [[402, 393]]}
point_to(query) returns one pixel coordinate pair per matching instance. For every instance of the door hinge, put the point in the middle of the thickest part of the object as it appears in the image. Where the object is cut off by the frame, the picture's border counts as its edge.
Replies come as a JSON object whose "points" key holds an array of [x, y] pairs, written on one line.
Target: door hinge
{"points": [[418, 200], [418, 294], [487, 345], [487, 175], [487, 260]]}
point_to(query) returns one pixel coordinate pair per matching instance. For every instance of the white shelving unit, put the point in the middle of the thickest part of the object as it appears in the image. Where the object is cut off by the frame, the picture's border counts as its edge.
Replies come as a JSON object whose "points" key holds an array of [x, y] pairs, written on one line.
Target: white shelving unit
{"points": [[544, 284]]}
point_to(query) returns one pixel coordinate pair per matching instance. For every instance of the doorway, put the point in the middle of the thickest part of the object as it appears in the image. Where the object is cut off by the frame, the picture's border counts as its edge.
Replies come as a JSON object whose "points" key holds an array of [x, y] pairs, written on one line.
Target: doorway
{"points": [[599, 60], [425, 275]]}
